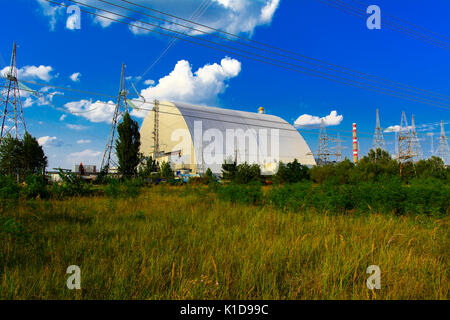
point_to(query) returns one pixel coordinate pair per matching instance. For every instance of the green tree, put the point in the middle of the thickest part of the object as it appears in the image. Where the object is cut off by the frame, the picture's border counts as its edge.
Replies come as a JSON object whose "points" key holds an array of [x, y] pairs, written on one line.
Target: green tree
{"points": [[127, 146], [11, 156], [34, 159], [247, 173], [229, 170], [166, 171], [291, 172], [147, 166]]}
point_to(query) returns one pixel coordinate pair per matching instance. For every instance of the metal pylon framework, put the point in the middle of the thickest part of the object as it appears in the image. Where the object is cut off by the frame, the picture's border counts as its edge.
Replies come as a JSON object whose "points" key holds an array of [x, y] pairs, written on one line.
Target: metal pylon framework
{"points": [[405, 151], [323, 156], [12, 118], [415, 143], [443, 150], [378, 139], [118, 111]]}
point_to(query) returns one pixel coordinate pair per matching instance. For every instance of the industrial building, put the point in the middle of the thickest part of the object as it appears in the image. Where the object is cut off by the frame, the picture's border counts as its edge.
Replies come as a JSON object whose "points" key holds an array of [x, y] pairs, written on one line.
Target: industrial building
{"points": [[194, 138]]}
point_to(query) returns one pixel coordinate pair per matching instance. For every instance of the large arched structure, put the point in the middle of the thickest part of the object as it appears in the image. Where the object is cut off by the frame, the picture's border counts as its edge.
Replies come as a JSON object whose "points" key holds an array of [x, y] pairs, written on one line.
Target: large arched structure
{"points": [[198, 137]]}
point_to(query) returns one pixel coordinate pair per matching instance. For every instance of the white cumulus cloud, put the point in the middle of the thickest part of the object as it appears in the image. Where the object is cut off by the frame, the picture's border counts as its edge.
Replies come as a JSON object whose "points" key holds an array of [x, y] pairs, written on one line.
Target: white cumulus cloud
{"points": [[202, 86], [49, 141], [75, 77], [93, 111], [32, 72], [235, 16], [307, 120]]}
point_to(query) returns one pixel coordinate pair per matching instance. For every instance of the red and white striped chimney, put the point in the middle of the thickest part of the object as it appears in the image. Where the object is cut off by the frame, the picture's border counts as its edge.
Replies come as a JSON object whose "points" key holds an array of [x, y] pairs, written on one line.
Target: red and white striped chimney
{"points": [[355, 145]]}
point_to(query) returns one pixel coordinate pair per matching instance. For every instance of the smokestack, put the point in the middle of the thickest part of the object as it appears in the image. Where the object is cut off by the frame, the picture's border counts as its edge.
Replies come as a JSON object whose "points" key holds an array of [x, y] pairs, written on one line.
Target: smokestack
{"points": [[355, 145], [261, 110]]}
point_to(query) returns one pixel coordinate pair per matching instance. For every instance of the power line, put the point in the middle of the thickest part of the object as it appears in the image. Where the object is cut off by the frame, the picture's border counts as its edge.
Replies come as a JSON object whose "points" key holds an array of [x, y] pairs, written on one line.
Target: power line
{"points": [[358, 74], [393, 26], [201, 9], [403, 20], [311, 72], [171, 106]]}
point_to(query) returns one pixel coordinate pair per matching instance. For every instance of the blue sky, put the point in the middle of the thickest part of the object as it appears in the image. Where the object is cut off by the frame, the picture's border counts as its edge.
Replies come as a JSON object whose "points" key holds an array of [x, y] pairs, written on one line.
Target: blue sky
{"points": [[307, 27]]}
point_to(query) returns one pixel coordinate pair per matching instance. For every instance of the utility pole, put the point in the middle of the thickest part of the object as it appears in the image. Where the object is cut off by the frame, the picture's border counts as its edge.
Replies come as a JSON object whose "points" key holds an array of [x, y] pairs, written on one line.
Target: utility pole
{"points": [[11, 104], [120, 105], [415, 143], [378, 139], [443, 150]]}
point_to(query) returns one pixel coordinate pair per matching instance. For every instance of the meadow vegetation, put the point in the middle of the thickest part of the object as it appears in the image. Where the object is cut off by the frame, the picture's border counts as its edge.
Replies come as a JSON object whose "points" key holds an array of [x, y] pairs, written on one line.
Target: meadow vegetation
{"points": [[304, 233]]}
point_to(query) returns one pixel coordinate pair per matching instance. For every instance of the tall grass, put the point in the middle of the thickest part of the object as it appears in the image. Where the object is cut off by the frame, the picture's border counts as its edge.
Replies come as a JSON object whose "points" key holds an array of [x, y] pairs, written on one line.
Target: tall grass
{"points": [[173, 243]]}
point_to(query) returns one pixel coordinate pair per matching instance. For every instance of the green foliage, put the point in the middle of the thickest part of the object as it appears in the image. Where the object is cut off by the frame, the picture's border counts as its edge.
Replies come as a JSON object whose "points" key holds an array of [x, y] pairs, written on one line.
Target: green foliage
{"points": [[127, 146], [292, 172], [9, 227], [21, 157], [71, 185], [9, 189], [11, 156], [166, 171], [147, 166], [112, 188], [128, 188], [247, 173], [36, 186], [229, 170], [240, 193], [430, 197], [34, 159]]}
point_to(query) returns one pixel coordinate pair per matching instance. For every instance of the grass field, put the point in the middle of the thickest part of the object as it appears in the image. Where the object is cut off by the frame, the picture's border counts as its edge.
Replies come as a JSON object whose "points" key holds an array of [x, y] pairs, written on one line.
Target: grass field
{"points": [[182, 243]]}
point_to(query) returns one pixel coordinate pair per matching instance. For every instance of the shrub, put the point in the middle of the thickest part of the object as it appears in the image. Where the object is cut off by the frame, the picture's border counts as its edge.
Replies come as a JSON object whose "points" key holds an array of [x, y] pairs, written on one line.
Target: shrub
{"points": [[292, 172], [112, 188], [247, 194], [35, 186], [9, 189]]}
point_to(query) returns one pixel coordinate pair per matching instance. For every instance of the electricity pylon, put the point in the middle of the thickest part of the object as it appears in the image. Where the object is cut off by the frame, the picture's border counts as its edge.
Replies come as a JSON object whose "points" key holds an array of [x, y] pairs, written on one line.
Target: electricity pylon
{"points": [[323, 156], [443, 151], [405, 152], [415, 143], [378, 139], [121, 105], [11, 104]]}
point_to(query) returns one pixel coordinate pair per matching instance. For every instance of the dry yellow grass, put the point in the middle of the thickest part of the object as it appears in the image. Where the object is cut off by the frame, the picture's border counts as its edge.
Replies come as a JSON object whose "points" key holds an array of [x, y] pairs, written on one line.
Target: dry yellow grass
{"points": [[172, 244]]}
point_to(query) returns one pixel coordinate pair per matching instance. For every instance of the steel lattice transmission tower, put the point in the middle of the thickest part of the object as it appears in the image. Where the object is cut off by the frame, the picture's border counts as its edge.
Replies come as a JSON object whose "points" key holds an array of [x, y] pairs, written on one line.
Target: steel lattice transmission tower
{"points": [[323, 155], [11, 104], [415, 143], [443, 151], [405, 150], [378, 139], [121, 105]]}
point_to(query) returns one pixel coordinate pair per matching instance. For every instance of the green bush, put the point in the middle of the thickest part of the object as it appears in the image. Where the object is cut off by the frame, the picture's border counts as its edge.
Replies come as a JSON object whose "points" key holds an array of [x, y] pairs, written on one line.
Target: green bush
{"points": [[35, 186], [9, 189], [239, 193], [112, 188]]}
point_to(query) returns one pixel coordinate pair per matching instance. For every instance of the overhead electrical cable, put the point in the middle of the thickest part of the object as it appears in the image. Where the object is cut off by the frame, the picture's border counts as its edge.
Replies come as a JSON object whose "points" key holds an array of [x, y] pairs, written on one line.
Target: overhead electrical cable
{"points": [[387, 23], [361, 75], [311, 72]]}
